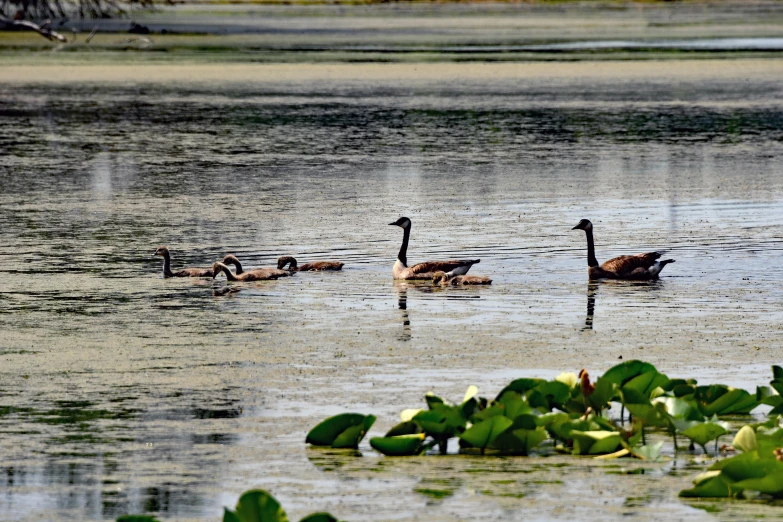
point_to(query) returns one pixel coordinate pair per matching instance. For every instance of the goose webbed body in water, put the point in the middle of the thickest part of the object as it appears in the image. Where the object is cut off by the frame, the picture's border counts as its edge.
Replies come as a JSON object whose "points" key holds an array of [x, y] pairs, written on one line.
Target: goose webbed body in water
{"points": [[427, 269], [444, 279], [163, 251], [259, 274], [639, 267], [315, 266]]}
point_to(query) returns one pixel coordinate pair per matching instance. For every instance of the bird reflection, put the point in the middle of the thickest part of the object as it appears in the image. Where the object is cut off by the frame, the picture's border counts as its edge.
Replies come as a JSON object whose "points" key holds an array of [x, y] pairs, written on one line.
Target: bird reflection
{"points": [[402, 304], [592, 290]]}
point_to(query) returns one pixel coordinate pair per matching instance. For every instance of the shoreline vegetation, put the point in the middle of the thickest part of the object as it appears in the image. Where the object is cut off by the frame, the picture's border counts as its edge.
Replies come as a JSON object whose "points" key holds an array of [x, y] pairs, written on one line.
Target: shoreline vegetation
{"points": [[291, 31]]}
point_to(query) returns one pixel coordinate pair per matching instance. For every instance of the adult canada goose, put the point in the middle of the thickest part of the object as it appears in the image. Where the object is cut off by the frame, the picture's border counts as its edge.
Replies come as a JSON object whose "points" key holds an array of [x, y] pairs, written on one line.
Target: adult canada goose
{"points": [[426, 270], [639, 267], [315, 266], [443, 279], [260, 274], [185, 272]]}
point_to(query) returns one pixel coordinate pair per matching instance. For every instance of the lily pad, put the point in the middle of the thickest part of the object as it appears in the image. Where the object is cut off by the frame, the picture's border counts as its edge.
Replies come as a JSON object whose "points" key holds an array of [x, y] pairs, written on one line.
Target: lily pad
{"points": [[595, 442], [399, 446], [256, 506], [319, 517], [341, 431], [482, 434]]}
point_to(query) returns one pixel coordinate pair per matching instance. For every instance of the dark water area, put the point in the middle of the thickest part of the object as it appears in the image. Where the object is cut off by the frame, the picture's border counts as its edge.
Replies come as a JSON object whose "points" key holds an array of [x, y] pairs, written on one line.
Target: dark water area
{"points": [[124, 392]]}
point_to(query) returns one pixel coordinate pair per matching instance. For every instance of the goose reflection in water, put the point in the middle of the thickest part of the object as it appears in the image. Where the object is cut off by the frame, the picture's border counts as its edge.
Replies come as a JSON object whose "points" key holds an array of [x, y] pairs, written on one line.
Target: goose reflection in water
{"points": [[402, 304], [592, 292]]}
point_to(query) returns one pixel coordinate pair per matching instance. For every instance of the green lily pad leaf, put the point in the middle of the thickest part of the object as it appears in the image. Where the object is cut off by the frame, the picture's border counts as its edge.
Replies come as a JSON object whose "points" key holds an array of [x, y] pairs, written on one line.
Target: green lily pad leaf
{"points": [[332, 431], [704, 432], [433, 399], [513, 404], [399, 446], [442, 421], [777, 372], [137, 518], [257, 506], [595, 442], [319, 517], [482, 434], [404, 428], [712, 484], [549, 395], [718, 399], [679, 408], [745, 439], [520, 441], [771, 484], [625, 371], [351, 437], [647, 382], [521, 386], [648, 452], [498, 408], [605, 391]]}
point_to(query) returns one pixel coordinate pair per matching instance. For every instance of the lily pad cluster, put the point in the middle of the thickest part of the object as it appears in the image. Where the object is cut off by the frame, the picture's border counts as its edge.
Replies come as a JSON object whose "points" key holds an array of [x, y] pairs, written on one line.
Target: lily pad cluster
{"points": [[757, 470], [570, 414], [255, 505]]}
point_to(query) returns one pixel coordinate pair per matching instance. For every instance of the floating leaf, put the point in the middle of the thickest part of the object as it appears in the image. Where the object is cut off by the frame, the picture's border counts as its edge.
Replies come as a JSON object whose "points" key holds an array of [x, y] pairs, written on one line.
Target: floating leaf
{"points": [[710, 485], [257, 506], [648, 452], [482, 434], [404, 428], [521, 386], [341, 431], [704, 432], [549, 395], [595, 442], [625, 371], [319, 517], [719, 399], [401, 445], [137, 518]]}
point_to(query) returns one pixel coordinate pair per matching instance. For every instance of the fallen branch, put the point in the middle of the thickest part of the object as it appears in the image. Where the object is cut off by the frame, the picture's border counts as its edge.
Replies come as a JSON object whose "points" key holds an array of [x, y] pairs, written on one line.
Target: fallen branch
{"points": [[45, 29]]}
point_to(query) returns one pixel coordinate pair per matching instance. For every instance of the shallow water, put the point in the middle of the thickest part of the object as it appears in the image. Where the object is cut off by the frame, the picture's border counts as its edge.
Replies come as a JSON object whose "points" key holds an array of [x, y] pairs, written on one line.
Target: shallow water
{"points": [[124, 392]]}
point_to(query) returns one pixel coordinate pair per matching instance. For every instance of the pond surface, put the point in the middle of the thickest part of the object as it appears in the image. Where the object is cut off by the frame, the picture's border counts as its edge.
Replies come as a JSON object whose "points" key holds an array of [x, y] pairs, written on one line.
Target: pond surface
{"points": [[123, 392]]}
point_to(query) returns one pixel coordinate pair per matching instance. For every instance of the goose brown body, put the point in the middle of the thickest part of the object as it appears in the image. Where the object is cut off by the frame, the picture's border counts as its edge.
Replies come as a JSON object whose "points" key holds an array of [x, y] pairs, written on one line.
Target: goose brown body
{"points": [[443, 279], [315, 266], [163, 251], [259, 274], [639, 267], [427, 269]]}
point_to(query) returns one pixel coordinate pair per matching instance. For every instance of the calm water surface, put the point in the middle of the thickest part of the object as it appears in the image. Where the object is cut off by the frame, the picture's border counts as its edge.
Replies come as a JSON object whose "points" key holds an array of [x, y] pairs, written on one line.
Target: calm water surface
{"points": [[124, 392]]}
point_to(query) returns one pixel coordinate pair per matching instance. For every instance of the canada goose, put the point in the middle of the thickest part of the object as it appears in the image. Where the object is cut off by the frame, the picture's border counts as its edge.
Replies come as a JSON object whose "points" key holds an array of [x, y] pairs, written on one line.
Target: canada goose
{"points": [[442, 278], [316, 266], [639, 267], [260, 274], [185, 272], [425, 270]]}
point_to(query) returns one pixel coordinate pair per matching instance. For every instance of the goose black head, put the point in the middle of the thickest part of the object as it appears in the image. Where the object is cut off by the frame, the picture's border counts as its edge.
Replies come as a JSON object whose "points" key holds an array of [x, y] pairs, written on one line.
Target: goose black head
{"points": [[583, 225], [162, 251], [403, 222]]}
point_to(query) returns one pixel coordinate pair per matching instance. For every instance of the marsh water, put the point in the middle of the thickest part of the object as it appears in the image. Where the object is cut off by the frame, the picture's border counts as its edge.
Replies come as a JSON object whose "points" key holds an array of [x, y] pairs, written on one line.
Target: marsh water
{"points": [[123, 392]]}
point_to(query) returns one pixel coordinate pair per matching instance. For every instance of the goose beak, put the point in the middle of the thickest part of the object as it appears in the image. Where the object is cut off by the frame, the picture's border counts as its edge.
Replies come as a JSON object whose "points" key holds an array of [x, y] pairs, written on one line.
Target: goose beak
{"points": [[392, 223]]}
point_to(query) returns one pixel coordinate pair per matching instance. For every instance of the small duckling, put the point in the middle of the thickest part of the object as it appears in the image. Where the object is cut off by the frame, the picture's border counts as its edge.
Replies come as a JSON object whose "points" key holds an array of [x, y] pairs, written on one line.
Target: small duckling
{"points": [[445, 279], [315, 266], [163, 251]]}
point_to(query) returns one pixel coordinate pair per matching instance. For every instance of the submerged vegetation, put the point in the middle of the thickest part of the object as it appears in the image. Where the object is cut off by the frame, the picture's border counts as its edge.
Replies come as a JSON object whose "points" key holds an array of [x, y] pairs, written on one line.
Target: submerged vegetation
{"points": [[570, 415]]}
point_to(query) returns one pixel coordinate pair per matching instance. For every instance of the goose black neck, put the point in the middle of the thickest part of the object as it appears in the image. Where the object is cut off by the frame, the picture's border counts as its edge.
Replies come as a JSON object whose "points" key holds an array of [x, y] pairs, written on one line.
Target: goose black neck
{"points": [[167, 265], [591, 260], [403, 255]]}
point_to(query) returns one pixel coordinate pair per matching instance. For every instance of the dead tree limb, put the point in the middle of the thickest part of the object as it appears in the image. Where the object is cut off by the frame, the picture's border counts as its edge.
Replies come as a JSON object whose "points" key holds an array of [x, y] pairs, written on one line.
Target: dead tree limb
{"points": [[45, 29]]}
